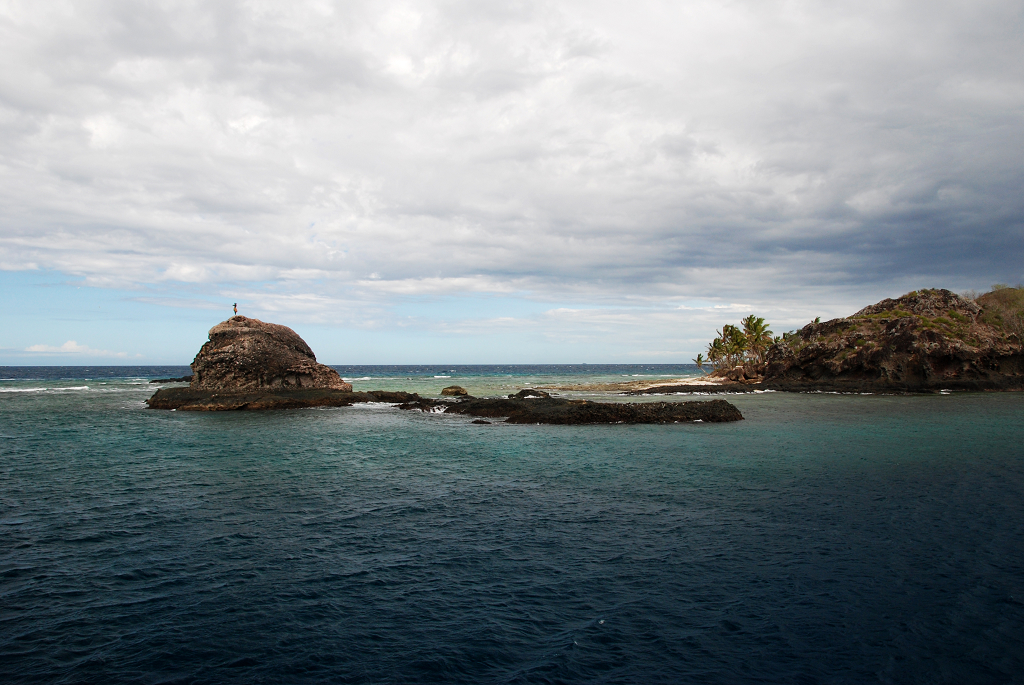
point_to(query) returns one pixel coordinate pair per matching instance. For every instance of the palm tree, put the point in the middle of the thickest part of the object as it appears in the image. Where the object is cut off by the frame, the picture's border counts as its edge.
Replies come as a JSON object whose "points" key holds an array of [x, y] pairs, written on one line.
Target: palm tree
{"points": [[699, 361], [716, 353], [735, 344], [758, 336]]}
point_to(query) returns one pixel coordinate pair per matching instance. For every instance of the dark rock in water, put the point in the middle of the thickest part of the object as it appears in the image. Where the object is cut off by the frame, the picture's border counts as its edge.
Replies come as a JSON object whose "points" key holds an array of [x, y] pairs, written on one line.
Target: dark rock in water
{"points": [[534, 409], [926, 340], [454, 391], [249, 355], [528, 392], [192, 399], [183, 379], [539, 410], [481, 421], [249, 364]]}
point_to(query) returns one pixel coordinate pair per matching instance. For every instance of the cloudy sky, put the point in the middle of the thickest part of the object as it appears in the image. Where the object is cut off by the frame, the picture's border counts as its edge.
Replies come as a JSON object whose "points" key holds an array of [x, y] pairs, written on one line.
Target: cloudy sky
{"points": [[556, 181]]}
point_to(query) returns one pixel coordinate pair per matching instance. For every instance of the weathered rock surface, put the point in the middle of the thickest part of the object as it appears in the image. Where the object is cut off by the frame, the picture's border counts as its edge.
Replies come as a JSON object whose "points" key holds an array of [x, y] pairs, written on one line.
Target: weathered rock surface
{"points": [[192, 399], [534, 408], [924, 341], [249, 355], [454, 391], [527, 393], [183, 379], [526, 409]]}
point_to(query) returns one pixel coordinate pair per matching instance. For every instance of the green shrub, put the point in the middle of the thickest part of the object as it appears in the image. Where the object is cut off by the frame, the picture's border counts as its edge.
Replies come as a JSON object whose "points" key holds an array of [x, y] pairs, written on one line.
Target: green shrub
{"points": [[1003, 308]]}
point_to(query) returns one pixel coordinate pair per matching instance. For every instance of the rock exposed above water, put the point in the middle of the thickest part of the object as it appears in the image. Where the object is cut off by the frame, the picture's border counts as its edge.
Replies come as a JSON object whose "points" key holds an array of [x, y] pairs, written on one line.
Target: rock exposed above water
{"points": [[192, 399], [249, 364], [533, 408], [248, 355], [528, 408]]}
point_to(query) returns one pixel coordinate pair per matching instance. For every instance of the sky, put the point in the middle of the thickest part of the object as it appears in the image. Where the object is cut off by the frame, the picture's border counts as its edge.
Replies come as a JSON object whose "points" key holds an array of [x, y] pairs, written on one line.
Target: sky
{"points": [[520, 182]]}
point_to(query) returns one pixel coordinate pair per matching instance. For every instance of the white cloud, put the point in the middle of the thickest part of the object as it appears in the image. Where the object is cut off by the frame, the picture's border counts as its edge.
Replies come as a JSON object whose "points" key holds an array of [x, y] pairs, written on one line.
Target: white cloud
{"points": [[73, 348], [592, 155]]}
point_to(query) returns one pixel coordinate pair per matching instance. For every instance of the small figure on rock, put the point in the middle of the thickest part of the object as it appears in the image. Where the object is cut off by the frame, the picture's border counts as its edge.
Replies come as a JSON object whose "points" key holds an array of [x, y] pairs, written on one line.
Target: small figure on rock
{"points": [[235, 306]]}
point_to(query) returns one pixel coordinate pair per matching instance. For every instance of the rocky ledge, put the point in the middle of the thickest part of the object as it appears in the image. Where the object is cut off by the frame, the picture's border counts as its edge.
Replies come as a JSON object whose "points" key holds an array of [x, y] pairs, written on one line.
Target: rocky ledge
{"points": [[192, 399], [532, 406], [529, 406]]}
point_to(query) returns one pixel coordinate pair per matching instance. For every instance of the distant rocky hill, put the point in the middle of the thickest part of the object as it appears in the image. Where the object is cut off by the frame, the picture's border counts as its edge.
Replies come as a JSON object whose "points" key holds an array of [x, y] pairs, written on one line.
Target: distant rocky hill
{"points": [[925, 340]]}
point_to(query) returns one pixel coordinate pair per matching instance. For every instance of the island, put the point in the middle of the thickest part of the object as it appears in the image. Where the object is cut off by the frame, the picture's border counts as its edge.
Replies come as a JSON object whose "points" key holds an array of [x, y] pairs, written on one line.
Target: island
{"points": [[925, 341], [248, 364]]}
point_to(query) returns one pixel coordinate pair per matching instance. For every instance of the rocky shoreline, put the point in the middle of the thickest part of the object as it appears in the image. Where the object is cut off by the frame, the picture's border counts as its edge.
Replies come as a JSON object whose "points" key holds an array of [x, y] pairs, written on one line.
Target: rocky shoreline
{"points": [[926, 341], [251, 365], [837, 386], [193, 399], [528, 406], [532, 406]]}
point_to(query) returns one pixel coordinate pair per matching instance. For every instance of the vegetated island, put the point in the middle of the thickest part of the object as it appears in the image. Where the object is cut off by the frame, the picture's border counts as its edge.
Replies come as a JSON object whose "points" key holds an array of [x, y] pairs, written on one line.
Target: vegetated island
{"points": [[925, 341], [249, 364]]}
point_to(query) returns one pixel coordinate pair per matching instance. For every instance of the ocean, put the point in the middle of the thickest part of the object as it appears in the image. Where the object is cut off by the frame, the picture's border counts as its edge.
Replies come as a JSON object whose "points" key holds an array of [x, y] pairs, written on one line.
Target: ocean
{"points": [[825, 539]]}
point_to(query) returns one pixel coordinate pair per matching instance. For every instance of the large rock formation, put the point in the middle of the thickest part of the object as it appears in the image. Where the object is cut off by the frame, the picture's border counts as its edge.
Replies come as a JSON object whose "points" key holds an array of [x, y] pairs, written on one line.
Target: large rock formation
{"points": [[924, 340], [248, 355]]}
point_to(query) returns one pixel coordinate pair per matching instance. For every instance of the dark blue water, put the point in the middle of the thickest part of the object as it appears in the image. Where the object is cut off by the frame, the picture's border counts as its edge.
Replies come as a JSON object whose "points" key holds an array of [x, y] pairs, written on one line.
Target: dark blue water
{"points": [[826, 538]]}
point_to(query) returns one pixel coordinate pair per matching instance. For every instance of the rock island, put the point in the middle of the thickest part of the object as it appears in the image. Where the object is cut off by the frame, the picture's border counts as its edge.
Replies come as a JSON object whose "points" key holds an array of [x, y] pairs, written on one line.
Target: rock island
{"points": [[250, 364]]}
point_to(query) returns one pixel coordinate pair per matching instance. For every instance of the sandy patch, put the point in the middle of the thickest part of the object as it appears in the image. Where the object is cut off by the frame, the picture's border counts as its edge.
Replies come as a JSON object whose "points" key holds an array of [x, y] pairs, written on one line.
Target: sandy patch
{"points": [[628, 386]]}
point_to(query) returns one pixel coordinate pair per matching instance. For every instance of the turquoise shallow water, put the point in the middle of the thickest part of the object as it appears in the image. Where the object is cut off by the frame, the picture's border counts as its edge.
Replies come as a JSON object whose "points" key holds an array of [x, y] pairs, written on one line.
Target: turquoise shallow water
{"points": [[826, 538]]}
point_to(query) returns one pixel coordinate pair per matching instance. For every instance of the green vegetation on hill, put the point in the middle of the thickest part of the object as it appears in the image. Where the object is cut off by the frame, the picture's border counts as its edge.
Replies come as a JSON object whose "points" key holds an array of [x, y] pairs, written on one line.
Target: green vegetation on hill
{"points": [[1003, 308], [971, 319]]}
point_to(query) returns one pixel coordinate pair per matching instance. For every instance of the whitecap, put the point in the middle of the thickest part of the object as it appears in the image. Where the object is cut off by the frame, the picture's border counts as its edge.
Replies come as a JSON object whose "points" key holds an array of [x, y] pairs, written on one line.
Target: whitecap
{"points": [[78, 387], [364, 378], [442, 376]]}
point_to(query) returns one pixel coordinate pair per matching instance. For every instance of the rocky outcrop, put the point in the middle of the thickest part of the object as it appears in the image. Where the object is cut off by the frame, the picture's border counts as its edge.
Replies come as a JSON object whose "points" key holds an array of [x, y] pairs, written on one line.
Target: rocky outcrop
{"points": [[454, 391], [531, 406], [926, 340], [527, 408], [190, 399], [248, 355], [527, 393]]}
